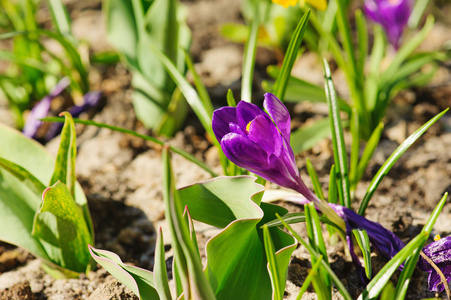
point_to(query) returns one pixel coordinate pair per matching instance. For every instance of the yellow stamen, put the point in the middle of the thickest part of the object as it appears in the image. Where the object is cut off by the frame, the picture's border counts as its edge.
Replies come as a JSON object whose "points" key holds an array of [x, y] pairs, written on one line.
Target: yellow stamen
{"points": [[318, 4], [437, 237], [285, 3], [248, 126]]}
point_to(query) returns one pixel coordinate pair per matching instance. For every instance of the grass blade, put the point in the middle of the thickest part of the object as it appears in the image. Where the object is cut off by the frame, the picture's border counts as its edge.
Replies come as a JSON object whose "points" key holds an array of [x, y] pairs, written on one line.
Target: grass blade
{"points": [[272, 264], [341, 288], [315, 180], [250, 49], [290, 56], [341, 161], [393, 159], [363, 241]]}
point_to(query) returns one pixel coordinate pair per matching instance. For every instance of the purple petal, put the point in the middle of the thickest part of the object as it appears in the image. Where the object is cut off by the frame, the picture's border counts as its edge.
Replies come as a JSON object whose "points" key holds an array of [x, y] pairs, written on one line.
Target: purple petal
{"points": [[91, 100], [243, 152], [279, 114], [222, 117], [246, 112], [383, 240], [434, 281], [263, 132], [42, 108], [39, 111], [439, 251], [234, 128]]}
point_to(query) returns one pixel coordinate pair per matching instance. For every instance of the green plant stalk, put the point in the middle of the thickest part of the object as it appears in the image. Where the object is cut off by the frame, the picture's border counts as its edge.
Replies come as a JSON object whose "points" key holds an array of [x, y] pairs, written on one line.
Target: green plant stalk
{"points": [[250, 50], [174, 149]]}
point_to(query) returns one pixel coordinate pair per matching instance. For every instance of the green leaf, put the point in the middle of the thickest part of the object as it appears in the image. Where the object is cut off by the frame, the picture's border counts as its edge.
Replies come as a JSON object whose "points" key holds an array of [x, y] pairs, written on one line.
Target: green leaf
{"points": [[362, 39], [250, 50], [159, 270], [370, 147], [363, 241], [60, 17], [61, 228], [23, 175], [187, 257], [405, 50], [340, 158], [299, 218], [230, 98], [222, 200], [308, 136], [392, 160], [65, 159], [272, 265], [321, 282], [138, 280], [315, 180], [313, 272], [341, 288], [290, 56]]}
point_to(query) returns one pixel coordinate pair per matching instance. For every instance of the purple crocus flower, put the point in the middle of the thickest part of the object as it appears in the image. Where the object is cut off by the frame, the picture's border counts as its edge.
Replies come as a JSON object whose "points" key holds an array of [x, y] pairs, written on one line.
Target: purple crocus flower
{"points": [[391, 14], [42, 108], [440, 253], [260, 143]]}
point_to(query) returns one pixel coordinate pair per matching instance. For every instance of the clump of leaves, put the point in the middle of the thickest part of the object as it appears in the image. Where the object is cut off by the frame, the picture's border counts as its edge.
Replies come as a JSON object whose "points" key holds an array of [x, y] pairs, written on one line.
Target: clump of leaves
{"points": [[42, 207]]}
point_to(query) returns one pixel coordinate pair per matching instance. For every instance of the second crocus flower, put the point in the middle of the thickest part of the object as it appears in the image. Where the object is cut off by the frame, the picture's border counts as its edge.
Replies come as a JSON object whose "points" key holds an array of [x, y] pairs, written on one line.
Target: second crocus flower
{"points": [[440, 253], [392, 15]]}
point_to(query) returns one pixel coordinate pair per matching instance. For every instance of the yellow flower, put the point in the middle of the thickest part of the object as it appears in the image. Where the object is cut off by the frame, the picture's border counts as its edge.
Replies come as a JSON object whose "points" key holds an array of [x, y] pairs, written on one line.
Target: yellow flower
{"points": [[319, 4]]}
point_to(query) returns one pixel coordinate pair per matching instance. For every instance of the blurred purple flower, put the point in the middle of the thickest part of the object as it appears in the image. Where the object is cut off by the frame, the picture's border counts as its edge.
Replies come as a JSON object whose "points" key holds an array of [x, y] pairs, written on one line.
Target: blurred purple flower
{"points": [[440, 253], [42, 108], [384, 241], [391, 14], [91, 99]]}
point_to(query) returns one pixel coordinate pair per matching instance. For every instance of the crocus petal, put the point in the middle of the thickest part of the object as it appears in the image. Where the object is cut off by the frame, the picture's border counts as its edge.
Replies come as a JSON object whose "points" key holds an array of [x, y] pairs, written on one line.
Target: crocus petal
{"points": [[383, 240], [434, 280], [39, 111], [263, 132], [222, 117], [246, 112], [42, 108], [243, 152], [439, 251], [279, 114], [234, 128]]}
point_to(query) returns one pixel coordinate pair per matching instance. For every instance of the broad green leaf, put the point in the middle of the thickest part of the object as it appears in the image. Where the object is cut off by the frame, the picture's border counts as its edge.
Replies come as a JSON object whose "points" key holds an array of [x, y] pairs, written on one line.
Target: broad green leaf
{"points": [[138, 280], [186, 255], [18, 204], [308, 136], [222, 200], [159, 269], [340, 156], [392, 160], [23, 175], [61, 228], [363, 241], [121, 28], [290, 56], [242, 273], [65, 159]]}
